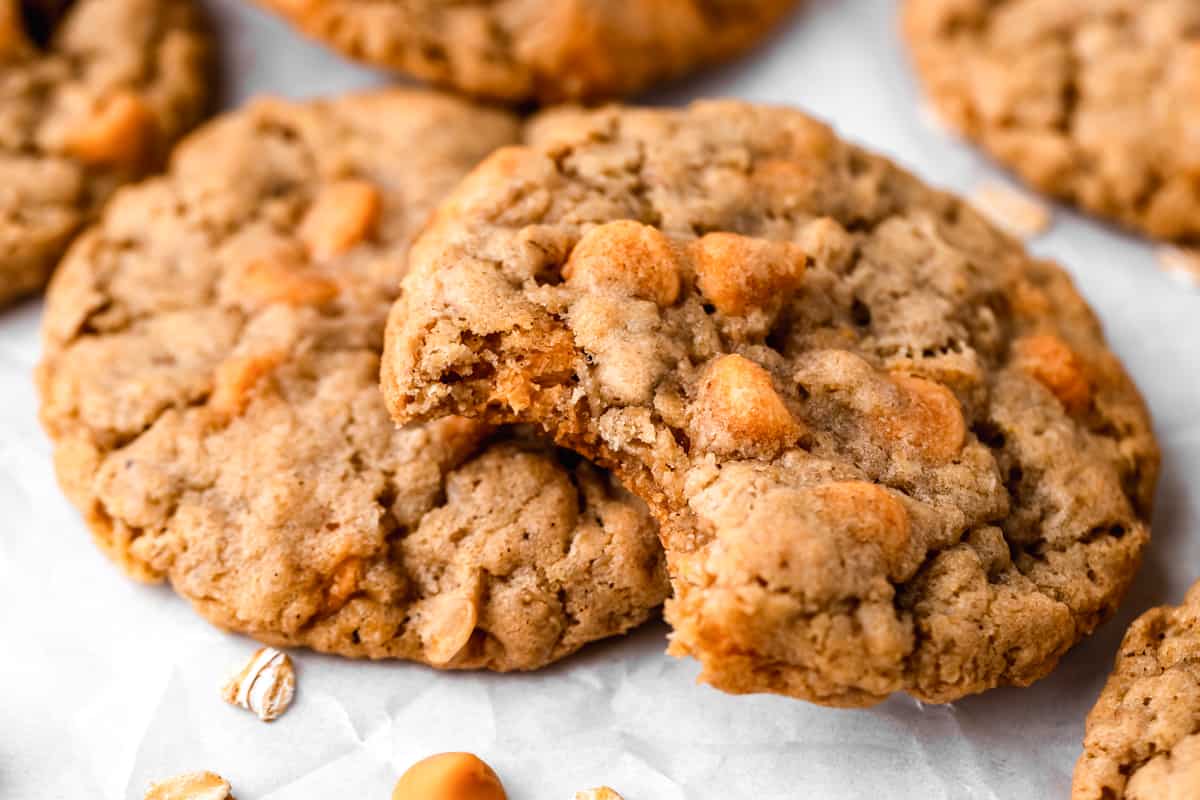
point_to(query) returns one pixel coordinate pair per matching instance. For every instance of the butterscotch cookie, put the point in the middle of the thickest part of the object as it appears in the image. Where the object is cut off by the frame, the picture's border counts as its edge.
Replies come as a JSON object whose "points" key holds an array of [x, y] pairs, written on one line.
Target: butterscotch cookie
{"points": [[211, 383], [1095, 102], [92, 94], [888, 449], [542, 50], [1143, 736]]}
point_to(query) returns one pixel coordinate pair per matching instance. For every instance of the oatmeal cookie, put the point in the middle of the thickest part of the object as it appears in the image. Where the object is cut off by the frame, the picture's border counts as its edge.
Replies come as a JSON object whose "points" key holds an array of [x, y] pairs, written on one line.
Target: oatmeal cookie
{"points": [[1097, 103], [211, 384], [92, 95], [541, 50], [1143, 736], [888, 449]]}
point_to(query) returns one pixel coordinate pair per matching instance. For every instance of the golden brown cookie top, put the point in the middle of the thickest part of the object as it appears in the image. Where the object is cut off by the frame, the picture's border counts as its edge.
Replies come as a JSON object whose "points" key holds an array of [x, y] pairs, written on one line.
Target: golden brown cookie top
{"points": [[889, 449], [1143, 736], [541, 50], [92, 95], [211, 383], [1097, 103]]}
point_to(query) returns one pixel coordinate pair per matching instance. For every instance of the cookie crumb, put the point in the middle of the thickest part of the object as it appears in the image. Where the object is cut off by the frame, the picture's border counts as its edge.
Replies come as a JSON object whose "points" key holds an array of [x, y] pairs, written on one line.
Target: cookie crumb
{"points": [[1014, 211], [1182, 264], [265, 685], [191, 786]]}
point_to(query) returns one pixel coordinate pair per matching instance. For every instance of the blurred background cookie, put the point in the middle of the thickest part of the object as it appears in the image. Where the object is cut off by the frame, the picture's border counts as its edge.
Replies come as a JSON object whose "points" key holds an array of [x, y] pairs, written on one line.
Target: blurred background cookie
{"points": [[541, 50], [92, 94], [1095, 103]]}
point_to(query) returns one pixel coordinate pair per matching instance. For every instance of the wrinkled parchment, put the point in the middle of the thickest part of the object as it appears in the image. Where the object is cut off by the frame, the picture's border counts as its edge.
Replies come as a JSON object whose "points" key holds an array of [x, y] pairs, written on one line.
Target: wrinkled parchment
{"points": [[106, 685]]}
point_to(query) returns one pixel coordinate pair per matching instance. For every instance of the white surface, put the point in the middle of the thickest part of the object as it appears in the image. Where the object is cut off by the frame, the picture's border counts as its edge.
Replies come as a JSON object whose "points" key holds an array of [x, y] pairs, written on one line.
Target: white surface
{"points": [[105, 685]]}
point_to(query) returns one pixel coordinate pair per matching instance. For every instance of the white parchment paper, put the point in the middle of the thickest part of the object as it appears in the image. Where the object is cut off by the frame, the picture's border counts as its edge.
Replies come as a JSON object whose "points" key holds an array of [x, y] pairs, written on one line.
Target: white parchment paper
{"points": [[106, 685]]}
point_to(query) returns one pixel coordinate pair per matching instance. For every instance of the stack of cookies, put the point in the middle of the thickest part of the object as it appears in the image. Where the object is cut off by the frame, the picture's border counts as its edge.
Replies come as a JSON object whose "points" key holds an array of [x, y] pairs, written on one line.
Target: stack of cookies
{"points": [[406, 375]]}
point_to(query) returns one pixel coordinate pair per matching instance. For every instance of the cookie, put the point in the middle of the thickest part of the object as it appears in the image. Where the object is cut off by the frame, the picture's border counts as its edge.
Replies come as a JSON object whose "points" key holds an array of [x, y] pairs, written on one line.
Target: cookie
{"points": [[1142, 738], [210, 380], [1096, 103], [92, 95], [888, 450], [540, 50]]}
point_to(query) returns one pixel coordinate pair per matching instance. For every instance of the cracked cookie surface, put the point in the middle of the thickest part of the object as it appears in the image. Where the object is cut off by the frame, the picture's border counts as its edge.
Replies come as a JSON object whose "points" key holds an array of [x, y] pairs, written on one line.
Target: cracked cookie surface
{"points": [[211, 383], [92, 95], [888, 450], [542, 50], [1096, 103], [1143, 736]]}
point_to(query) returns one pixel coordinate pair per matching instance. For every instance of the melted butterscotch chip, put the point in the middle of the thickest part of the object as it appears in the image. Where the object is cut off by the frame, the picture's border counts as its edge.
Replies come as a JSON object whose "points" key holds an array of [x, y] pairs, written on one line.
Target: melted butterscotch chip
{"points": [[120, 133], [272, 280], [927, 418], [235, 379], [874, 516], [13, 39], [738, 412], [627, 256], [1053, 363], [342, 216], [344, 582], [739, 274]]}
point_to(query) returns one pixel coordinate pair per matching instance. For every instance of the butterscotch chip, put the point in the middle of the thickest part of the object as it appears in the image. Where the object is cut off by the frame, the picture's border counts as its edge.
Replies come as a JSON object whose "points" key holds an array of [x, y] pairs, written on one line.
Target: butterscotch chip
{"points": [[235, 378], [13, 40], [120, 133], [628, 256], [220, 424], [1142, 739], [863, 490], [738, 412], [449, 776], [270, 280], [874, 516], [740, 274], [1053, 363], [94, 94], [1094, 103], [191, 786], [927, 417], [553, 51], [345, 581], [343, 214]]}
